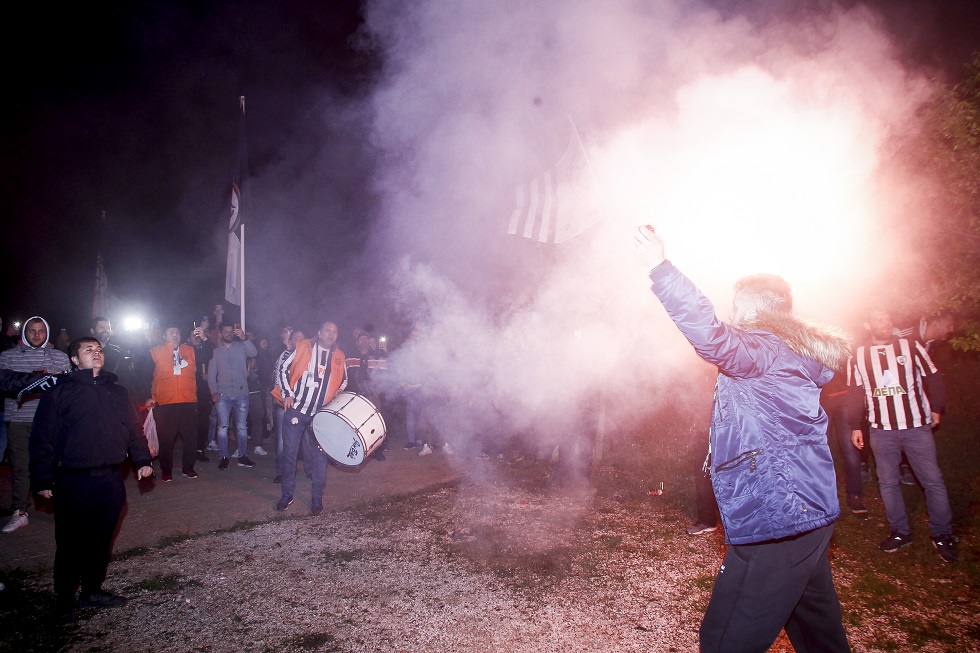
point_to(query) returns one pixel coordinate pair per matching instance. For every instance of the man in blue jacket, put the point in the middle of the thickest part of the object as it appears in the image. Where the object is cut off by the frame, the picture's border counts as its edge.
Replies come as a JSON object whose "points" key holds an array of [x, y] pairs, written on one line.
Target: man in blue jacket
{"points": [[771, 468]]}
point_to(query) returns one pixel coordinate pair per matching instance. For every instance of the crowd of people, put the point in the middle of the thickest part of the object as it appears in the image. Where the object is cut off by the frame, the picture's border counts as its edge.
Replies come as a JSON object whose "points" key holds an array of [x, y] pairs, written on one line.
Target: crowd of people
{"points": [[73, 417]]}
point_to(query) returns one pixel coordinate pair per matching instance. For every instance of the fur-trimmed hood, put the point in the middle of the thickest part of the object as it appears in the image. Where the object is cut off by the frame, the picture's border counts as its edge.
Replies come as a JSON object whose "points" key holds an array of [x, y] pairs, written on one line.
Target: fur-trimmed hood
{"points": [[825, 344]]}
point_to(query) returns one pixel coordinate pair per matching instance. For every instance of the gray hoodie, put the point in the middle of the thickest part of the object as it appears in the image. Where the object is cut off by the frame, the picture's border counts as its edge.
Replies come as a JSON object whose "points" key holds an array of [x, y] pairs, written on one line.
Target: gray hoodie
{"points": [[228, 369]]}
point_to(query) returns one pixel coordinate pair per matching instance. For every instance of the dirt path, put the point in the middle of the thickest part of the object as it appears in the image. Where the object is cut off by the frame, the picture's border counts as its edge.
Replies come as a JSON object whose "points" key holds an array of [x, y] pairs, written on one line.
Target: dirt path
{"points": [[217, 500]]}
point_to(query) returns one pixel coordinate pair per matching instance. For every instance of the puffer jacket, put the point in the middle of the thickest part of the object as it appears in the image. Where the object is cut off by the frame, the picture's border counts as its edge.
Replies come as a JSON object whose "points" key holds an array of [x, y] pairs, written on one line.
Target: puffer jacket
{"points": [[85, 421], [772, 472]]}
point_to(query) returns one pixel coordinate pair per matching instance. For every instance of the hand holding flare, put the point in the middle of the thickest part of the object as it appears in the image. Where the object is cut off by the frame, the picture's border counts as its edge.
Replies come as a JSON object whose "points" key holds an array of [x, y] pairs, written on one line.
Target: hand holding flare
{"points": [[648, 246]]}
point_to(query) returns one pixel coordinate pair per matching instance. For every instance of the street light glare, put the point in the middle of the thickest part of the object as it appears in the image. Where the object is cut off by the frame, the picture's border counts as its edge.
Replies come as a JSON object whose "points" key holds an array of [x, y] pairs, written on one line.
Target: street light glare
{"points": [[132, 323]]}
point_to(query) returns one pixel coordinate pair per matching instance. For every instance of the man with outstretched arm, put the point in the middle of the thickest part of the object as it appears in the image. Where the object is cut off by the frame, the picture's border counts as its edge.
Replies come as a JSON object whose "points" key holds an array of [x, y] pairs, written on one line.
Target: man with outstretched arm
{"points": [[771, 468]]}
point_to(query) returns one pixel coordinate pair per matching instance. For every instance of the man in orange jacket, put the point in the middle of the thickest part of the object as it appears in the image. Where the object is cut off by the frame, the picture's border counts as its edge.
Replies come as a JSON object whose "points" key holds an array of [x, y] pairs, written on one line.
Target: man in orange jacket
{"points": [[174, 399]]}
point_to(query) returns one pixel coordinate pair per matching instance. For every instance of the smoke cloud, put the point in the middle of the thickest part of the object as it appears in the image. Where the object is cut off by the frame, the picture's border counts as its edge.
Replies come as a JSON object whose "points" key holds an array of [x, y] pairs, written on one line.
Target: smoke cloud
{"points": [[750, 145]]}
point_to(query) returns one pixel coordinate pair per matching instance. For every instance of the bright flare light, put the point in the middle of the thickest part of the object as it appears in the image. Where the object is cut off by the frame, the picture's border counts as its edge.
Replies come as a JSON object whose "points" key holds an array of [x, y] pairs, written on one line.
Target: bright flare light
{"points": [[749, 178], [132, 323]]}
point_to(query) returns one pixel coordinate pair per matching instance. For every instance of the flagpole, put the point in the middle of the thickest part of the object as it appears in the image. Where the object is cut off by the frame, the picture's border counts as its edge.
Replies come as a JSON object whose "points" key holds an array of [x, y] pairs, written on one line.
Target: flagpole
{"points": [[588, 161], [242, 273], [242, 172]]}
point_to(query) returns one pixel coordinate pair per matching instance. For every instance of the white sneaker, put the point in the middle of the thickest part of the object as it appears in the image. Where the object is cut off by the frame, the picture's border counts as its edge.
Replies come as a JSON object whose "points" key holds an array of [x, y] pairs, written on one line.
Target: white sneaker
{"points": [[19, 520], [259, 451], [212, 446], [426, 450], [446, 449]]}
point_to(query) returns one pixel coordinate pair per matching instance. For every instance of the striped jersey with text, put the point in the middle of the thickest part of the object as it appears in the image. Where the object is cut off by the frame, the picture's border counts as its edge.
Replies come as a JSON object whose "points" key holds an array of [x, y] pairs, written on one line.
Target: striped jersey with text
{"points": [[891, 375], [311, 388]]}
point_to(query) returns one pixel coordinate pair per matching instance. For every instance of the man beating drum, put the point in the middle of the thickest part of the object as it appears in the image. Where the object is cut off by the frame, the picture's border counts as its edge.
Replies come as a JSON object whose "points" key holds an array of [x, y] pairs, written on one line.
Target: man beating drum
{"points": [[311, 376]]}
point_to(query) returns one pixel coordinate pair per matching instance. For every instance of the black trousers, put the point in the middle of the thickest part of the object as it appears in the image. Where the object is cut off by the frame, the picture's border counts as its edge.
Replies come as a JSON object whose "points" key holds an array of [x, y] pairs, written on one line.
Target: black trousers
{"points": [[87, 506], [172, 419], [204, 405], [763, 588]]}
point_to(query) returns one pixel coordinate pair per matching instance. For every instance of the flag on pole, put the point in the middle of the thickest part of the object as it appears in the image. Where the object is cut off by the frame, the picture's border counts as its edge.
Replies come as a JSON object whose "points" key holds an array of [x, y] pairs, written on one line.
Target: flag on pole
{"points": [[99, 298], [235, 265], [556, 205]]}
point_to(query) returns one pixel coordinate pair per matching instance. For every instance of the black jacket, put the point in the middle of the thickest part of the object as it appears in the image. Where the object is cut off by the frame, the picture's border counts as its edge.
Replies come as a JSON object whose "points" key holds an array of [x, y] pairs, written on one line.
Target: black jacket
{"points": [[85, 421], [13, 382]]}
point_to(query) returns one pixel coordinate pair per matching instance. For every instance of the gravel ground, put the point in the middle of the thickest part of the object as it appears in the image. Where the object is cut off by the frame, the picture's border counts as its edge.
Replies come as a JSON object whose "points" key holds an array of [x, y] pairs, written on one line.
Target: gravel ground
{"points": [[474, 566]]}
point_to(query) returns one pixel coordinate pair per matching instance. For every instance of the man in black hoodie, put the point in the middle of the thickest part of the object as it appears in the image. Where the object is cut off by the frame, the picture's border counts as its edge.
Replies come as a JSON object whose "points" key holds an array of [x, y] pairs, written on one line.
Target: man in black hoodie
{"points": [[84, 430]]}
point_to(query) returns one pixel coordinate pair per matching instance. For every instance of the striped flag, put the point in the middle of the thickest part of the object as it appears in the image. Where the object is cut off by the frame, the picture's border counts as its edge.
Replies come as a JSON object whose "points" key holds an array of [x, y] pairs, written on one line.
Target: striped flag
{"points": [[233, 266], [555, 205]]}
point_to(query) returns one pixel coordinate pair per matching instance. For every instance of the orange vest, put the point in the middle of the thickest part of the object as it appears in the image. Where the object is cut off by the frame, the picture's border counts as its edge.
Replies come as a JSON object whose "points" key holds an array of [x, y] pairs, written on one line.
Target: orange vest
{"points": [[168, 388]]}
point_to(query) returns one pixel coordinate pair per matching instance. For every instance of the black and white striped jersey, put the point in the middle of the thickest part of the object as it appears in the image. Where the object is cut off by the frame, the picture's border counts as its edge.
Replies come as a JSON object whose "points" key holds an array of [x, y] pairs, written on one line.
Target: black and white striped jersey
{"points": [[893, 376], [312, 387]]}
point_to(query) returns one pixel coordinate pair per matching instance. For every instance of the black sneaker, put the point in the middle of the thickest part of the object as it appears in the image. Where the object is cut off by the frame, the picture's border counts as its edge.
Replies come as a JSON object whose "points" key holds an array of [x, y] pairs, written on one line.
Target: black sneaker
{"points": [[856, 505], [64, 610], [946, 546], [101, 599], [699, 528], [410, 446], [64, 616], [245, 462], [895, 542], [317, 508], [201, 456], [188, 473], [284, 502], [223, 465]]}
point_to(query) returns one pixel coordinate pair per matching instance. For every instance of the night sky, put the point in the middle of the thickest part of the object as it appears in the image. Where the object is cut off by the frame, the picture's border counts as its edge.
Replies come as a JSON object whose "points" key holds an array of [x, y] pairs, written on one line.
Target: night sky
{"points": [[131, 108]]}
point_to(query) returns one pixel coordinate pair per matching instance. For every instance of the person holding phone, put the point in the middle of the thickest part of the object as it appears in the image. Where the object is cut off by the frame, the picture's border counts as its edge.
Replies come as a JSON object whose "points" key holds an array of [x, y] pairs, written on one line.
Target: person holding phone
{"points": [[228, 382]]}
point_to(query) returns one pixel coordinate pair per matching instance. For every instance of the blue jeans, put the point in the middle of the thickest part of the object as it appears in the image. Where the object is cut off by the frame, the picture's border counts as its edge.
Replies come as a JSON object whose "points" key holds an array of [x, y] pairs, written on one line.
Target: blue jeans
{"points": [[920, 448], [240, 404], [295, 435], [850, 454]]}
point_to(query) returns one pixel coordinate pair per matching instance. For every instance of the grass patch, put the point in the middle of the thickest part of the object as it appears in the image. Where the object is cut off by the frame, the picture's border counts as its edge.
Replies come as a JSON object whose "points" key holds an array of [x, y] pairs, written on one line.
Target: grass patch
{"points": [[27, 612], [171, 540]]}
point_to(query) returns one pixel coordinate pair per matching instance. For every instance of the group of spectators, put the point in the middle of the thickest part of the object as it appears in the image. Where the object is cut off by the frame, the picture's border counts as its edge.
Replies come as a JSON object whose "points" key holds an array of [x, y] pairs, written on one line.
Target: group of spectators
{"points": [[72, 418]]}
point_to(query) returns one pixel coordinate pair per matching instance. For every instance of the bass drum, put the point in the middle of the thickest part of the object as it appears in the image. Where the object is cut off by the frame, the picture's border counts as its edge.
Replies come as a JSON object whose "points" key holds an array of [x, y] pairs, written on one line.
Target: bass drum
{"points": [[349, 429]]}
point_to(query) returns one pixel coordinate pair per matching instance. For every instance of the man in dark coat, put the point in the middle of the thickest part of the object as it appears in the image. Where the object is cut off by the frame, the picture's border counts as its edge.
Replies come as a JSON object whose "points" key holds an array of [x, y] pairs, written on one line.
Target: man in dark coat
{"points": [[85, 429]]}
